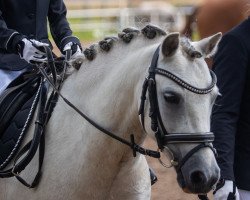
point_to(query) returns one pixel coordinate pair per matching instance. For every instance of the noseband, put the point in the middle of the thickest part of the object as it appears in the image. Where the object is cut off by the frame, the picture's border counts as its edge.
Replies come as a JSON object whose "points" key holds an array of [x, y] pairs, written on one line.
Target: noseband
{"points": [[163, 137]]}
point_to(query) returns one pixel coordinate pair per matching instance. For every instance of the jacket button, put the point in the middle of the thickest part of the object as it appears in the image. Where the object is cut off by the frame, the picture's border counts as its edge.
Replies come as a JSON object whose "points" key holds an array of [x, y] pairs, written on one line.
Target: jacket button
{"points": [[31, 16]]}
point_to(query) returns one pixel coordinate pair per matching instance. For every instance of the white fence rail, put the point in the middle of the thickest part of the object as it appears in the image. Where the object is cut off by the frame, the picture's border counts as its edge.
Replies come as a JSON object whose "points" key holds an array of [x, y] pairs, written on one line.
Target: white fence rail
{"points": [[116, 19]]}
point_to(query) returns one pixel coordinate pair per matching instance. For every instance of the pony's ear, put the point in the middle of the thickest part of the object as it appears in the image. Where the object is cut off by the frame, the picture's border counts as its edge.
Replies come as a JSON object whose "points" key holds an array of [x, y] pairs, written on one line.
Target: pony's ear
{"points": [[208, 45], [170, 44]]}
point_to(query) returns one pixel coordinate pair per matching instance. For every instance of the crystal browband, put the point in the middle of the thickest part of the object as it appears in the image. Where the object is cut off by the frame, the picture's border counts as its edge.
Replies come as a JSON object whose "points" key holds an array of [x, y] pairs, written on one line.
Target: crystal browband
{"points": [[185, 84]]}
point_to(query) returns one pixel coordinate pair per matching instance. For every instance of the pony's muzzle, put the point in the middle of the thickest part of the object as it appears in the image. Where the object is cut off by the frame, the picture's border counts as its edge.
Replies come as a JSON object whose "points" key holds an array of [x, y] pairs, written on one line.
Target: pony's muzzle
{"points": [[198, 182], [198, 175]]}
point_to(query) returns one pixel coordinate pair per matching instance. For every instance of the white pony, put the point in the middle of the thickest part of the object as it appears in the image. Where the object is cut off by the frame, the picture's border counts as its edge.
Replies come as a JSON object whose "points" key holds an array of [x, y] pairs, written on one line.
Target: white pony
{"points": [[83, 163]]}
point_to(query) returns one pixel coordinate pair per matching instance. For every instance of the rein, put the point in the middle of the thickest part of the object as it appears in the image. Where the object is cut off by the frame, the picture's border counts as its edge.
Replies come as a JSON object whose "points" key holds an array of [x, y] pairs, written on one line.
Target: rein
{"points": [[26, 154], [135, 147], [162, 136], [45, 110]]}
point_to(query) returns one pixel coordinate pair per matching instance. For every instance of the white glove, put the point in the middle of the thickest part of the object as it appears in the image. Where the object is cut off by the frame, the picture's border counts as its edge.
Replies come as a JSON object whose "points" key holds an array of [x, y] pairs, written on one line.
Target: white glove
{"points": [[225, 190], [29, 51], [76, 50]]}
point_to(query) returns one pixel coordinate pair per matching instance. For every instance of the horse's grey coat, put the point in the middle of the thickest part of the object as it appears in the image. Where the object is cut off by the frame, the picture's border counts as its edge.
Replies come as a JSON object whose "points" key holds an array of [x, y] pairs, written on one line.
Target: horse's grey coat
{"points": [[81, 162]]}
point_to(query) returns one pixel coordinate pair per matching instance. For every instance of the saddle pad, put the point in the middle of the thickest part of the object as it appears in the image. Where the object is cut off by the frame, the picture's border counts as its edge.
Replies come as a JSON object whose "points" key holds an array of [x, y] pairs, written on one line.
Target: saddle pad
{"points": [[16, 111]]}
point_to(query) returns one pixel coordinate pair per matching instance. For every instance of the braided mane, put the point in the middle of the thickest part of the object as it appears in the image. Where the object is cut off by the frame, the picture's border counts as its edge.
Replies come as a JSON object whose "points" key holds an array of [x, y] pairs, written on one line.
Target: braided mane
{"points": [[128, 34]]}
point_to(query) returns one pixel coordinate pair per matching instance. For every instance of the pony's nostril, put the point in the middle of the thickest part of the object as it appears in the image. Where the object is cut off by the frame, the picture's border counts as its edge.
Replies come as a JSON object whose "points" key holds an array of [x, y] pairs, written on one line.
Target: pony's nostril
{"points": [[197, 177]]}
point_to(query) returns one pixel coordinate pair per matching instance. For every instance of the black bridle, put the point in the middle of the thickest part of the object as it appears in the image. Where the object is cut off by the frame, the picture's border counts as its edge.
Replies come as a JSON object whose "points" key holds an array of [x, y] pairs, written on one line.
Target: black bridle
{"points": [[162, 136]]}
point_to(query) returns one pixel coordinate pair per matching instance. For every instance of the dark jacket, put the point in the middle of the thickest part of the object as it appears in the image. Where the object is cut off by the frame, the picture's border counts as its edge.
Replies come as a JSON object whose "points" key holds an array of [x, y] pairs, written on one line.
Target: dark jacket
{"points": [[231, 114], [28, 18]]}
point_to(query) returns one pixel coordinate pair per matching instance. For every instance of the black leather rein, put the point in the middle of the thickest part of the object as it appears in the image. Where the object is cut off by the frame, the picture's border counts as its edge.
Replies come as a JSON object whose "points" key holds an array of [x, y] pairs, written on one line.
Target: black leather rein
{"points": [[45, 109], [135, 147]]}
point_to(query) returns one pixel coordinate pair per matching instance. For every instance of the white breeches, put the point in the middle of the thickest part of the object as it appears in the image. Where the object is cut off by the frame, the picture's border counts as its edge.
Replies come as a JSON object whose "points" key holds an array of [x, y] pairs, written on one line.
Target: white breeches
{"points": [[244, 194], [6, 76]]}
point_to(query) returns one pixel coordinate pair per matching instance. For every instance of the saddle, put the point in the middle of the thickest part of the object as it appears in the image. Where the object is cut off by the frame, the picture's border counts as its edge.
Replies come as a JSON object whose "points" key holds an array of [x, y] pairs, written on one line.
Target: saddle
{"points": [[18, 103], [17, 107]]}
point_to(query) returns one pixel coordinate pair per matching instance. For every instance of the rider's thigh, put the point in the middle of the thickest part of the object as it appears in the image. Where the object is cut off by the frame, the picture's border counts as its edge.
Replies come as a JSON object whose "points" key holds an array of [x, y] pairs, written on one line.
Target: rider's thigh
{"points": [[244, 194]]}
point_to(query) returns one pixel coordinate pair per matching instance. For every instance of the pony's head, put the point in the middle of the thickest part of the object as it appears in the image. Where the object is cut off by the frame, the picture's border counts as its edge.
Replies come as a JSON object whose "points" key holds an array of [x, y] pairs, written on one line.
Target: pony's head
{"points": [[181, 93]]}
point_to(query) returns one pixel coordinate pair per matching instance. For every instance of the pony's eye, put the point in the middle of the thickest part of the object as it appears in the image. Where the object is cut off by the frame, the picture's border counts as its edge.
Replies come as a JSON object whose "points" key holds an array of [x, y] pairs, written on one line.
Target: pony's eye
{"points": [[172, 98]]}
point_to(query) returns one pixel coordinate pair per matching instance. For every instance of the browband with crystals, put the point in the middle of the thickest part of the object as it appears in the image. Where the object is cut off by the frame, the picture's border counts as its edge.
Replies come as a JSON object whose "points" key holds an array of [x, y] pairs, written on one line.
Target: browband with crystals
{"points": [[185, 84]]}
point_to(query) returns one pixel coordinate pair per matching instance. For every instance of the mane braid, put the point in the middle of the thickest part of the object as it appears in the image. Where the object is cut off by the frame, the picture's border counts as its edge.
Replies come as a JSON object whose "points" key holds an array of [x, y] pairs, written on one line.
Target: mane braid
{"points": [[90, 53], [107, 43], [126, 36], [151, 31]]}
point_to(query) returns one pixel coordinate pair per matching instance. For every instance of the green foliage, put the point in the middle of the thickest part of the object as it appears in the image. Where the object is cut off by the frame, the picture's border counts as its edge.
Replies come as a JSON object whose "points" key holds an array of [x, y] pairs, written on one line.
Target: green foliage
{"points": [[85, 36]]}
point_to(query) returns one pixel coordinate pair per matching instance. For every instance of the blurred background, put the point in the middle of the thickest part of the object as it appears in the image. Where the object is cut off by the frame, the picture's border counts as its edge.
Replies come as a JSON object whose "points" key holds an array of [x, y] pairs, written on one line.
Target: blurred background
{"points": [[91, 20]]}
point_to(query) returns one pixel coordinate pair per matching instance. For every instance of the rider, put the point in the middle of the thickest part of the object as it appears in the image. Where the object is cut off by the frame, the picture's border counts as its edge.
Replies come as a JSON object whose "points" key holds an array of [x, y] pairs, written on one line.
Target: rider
{"points": [[23, 29], [231, 113]]}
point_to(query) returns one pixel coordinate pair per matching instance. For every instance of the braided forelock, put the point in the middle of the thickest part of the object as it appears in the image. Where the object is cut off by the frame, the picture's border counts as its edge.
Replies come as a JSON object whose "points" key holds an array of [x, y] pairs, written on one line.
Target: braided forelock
{"points": [[189, 48]]}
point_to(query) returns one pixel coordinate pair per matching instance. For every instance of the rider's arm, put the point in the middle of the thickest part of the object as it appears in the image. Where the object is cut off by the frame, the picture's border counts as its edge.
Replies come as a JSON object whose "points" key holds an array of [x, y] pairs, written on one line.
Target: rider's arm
{"points": [[230, 65], [59, 26], [9, 38]]}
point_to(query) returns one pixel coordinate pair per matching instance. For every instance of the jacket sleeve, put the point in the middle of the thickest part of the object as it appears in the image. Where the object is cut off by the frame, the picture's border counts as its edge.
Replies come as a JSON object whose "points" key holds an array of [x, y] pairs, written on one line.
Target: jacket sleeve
{"points": [[59, 26], [230, 64], [8, 37]]}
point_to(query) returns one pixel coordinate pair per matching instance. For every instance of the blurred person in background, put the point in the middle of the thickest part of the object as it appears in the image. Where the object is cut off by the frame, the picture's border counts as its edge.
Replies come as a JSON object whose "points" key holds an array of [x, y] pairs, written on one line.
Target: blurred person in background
{"points": [[23, 31], [231, 113]]}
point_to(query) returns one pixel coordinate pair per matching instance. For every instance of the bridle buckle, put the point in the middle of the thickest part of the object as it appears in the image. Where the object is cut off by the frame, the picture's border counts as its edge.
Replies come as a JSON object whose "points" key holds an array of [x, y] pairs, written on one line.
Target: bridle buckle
{"points": [[173, 163], [16, 174]]}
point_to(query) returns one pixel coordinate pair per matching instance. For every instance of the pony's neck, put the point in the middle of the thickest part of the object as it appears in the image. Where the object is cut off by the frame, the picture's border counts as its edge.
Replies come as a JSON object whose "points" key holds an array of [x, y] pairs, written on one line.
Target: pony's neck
{"points": [[108, 88]]}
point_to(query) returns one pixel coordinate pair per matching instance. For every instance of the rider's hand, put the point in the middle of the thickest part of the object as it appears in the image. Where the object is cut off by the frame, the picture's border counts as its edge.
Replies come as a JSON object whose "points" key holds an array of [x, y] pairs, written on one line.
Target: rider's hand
{"points": [[75, 49], [226, 190], [32, 50]]}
